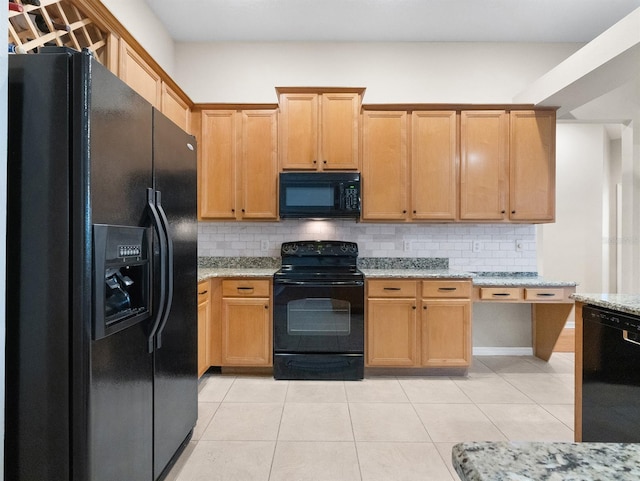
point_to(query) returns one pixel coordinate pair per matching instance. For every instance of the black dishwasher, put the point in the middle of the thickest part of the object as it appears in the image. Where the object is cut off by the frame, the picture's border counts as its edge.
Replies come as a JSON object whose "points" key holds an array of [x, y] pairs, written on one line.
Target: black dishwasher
{"points": [[610, 376]]}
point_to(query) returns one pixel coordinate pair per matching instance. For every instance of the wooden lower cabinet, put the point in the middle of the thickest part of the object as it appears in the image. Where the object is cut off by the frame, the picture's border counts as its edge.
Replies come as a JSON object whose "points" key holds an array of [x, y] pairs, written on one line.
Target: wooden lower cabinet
{"points": [[246, 323], [204, 316], [445, 333], [398, 337], [392, 332]]}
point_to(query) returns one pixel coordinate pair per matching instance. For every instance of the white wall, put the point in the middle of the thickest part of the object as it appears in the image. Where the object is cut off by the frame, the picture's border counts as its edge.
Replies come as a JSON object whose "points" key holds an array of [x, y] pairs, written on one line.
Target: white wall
{"points": [[391, 72], [146, 28], [572, 247]]}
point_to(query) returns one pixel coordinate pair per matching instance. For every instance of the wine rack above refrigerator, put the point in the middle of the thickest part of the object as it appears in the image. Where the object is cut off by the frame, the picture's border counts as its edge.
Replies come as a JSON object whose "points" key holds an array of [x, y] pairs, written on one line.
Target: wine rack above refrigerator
{"points": [[37, 23]]}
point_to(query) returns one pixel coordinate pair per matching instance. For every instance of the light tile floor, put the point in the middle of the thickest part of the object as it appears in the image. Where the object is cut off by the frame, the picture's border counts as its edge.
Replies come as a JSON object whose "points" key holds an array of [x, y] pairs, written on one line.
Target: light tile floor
{"points": [[401, 428]]}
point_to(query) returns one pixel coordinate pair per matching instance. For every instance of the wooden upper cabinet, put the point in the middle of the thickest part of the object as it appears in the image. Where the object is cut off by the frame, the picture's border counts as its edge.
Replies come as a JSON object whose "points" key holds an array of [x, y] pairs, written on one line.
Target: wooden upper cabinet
{"points": [[239, 164], [434, 155], [259, 164], [218, 164], [532, 165], [484, 167], [319, 130], [139, 75], [385, 176], [175, 107]]}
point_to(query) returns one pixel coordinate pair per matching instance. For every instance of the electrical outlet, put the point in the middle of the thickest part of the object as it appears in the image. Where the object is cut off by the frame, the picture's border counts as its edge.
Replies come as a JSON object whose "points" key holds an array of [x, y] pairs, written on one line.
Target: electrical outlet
{"points": [[407, 246], [476, 246], [519, 246], [264, 245]]}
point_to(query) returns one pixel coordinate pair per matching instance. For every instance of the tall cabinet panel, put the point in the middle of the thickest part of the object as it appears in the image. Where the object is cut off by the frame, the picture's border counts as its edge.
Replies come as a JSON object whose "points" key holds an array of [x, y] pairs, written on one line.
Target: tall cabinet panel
{"points": [[340, 137], [299, 131], [484, 167], [434, 179], [532, 165], [384, 165]]}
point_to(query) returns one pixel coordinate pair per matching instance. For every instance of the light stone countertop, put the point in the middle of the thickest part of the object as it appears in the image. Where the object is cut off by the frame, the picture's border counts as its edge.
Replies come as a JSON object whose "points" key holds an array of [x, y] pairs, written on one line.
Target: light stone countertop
{"points": [[415, 273], [406, 273], [205, 273], [546, 461], [629, 303], [520, 281]]}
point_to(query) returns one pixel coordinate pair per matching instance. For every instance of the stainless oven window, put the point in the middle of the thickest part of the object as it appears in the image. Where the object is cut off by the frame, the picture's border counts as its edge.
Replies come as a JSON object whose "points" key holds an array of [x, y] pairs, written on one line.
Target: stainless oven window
{"points": [[318, 317]]}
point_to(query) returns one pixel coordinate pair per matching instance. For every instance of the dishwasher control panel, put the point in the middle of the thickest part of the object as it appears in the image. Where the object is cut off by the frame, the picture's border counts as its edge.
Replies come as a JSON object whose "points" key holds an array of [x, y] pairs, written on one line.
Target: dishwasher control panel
{"points": [[611, 318]]}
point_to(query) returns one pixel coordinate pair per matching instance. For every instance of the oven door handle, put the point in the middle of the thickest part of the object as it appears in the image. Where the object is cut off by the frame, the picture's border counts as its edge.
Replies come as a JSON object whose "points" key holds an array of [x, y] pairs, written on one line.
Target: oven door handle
{"points": [[320, 283]]}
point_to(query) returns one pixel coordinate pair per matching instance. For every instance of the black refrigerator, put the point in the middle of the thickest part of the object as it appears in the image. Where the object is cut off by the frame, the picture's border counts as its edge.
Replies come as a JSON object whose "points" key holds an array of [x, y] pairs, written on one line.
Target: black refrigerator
{"points": [[101, 314]]}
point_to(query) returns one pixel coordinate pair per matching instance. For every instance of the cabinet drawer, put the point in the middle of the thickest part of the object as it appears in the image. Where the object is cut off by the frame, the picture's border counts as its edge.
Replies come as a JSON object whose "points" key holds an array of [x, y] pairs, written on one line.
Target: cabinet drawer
{"points": [[445, 288], [544, 294], [391, 288], [203, 291], [246, 288], [500, 293]]}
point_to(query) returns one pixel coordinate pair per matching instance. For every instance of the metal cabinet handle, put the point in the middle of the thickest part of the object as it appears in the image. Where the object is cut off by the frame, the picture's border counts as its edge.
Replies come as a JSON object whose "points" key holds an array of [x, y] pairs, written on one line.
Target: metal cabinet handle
{"points": [[546, 294], [502, 294], [625, 336], [392, 289], [203, 292], [447, 288], [245, 288]]}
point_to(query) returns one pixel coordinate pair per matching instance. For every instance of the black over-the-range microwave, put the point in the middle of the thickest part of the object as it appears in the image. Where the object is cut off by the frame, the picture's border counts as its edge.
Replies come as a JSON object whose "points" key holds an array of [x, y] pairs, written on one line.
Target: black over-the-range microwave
{"points": [[333, 195]]}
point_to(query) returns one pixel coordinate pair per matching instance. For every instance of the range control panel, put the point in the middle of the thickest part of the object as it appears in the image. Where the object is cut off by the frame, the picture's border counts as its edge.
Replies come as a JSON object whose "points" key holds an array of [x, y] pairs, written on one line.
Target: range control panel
{"points": [[319, 249]]}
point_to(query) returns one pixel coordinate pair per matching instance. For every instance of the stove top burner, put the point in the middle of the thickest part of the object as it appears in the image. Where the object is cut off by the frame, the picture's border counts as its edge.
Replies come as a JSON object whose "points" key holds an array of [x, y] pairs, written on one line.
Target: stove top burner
{"points": [[322, 260]]}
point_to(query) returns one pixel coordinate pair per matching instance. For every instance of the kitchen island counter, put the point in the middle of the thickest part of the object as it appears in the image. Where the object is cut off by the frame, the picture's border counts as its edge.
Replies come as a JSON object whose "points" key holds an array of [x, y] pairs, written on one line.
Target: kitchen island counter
{"points": [[629, 303], [551, 461]]}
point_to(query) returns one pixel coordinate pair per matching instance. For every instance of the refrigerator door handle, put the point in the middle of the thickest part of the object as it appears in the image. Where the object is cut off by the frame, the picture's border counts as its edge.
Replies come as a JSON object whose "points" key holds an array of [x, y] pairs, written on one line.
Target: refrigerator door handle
{"points": [[157, 225], [169, 269]]}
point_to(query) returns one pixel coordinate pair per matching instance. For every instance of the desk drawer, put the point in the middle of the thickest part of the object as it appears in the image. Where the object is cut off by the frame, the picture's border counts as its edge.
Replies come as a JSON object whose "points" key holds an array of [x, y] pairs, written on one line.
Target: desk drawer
{"points": [[500, 293], [544, 294]]}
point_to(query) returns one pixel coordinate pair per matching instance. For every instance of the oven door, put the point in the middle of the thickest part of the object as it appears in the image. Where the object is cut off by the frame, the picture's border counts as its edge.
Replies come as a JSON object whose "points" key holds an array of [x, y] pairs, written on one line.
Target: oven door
{"points": [[318, 317]]}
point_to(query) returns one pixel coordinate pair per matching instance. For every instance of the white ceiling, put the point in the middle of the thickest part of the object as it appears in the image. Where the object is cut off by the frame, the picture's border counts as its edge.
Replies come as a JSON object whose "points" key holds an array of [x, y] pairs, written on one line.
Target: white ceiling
{"points": [[389, 20]]}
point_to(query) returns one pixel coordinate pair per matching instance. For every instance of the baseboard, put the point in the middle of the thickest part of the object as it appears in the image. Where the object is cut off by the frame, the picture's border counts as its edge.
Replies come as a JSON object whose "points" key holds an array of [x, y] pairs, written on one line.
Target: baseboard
{"points": [[503, 351]]}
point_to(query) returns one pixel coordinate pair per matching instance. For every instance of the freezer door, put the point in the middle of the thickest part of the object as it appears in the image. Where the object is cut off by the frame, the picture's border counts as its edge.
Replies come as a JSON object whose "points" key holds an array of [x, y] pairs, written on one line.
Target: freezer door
{"points": [[175, 355], [112, 170]]}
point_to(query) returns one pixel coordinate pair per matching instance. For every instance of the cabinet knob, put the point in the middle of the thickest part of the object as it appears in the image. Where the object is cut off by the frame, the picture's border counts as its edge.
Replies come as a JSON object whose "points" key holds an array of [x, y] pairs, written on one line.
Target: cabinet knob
{"points": [[404, 211], [243, 211], [324, 161], [424, 307], [513, 211], [233, 210], [413, 307], [266, 307], [315, 161], [503, 211], [415, 211]]}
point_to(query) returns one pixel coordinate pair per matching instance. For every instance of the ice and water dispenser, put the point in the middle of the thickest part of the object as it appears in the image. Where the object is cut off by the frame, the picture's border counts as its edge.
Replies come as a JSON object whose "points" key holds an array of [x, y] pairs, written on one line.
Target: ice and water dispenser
{"points": [[122, 277]]}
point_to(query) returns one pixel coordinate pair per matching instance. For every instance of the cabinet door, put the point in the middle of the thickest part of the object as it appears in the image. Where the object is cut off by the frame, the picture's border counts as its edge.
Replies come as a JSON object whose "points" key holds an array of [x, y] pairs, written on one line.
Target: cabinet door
{"points": [[139, 75], [299, 131], [434, 177], [259, 164], [218, 165], [532, 165], [445, 332], [339, 131], [391, 332], [174, 107], [246, 332], [384, 166], [204, 315], [483, 165]]}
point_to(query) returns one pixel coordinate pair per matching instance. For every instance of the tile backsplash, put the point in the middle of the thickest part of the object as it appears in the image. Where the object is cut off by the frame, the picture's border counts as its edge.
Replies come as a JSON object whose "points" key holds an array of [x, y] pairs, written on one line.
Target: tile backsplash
{"points": [[469, 247]]}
